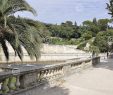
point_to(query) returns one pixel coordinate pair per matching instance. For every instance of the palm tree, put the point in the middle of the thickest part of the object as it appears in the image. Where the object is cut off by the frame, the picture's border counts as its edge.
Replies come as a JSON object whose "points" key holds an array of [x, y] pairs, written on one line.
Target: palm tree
{"points": [[110, 7], [17, 31]]}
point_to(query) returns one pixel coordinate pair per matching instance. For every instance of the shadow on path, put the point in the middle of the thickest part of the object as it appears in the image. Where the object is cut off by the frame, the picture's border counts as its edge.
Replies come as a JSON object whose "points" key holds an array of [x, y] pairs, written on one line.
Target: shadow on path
{"points": [[43, 90], [55, 91]]}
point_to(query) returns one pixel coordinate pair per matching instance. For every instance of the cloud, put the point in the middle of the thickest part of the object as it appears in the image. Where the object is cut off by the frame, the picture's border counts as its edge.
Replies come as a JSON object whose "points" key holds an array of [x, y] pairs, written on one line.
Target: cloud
{"points": [[79, 8]]}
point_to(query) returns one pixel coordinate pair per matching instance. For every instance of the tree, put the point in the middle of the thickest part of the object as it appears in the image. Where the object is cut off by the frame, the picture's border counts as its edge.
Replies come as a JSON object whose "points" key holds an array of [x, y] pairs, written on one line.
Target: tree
{"points": [[75, 24], [87, 23], [94, 49], [95, 21], [69, 23], [17, 31], [101, 40], [92, 26], [66, 32], [103, 24], [87, 35]]}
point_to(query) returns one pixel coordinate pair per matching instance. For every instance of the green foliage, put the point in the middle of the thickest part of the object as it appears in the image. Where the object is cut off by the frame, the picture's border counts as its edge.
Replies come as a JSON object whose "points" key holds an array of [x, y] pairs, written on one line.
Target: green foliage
{"points": [[103, 24], [92, 32], [73, 42], [92, 26], [27, 33], [63, 31], [82, 45], [18, 31], [87, 23], [60, 41], [87, 35], [95, 49], [68, 30], [69, 23], [94, 21], [101, 40]]}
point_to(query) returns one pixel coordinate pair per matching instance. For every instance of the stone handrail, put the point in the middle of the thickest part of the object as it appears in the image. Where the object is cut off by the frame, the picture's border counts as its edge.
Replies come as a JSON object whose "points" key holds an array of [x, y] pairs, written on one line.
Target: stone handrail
{"points": [[14, 80]]}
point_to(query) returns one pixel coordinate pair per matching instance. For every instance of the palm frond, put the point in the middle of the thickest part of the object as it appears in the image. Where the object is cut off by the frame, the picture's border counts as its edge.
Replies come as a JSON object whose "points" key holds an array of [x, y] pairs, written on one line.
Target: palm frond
{"points": [[8, 7], [19, 32], [110, 7], [14, 6], [4, 47]]}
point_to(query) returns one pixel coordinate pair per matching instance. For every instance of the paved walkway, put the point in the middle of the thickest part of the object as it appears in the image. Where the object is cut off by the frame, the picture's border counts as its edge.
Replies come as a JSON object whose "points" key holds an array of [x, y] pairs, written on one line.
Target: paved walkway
{"points": [[94, 81]]}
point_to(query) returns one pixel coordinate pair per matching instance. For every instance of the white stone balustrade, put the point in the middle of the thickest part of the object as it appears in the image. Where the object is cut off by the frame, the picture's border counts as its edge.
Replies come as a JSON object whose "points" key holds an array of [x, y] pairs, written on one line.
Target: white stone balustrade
{"points": [[11, 83]]}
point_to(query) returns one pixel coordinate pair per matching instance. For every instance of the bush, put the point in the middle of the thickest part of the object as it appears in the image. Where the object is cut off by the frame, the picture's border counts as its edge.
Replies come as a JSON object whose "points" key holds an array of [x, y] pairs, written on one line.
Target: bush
{"points": [[87, 35], [60, 41], [82, 45]]}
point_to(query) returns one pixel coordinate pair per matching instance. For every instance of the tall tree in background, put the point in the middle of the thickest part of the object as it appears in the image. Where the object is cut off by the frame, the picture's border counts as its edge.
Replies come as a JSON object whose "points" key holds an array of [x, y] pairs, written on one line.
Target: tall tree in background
{"points": [[17, 31], [103, 24], [95, 21], [75, 24]]}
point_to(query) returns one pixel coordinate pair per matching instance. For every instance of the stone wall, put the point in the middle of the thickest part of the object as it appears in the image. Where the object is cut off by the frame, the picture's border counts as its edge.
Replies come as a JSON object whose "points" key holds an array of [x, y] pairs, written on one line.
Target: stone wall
{"points": [[49, 53]]}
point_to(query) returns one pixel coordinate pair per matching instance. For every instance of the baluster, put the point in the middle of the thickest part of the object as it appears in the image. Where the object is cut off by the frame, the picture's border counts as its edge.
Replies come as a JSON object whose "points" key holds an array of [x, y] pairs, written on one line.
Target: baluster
{"points": [[4, 87], [17, 82], [11, 84], [57, 72], [42, 75], [54, 76], [47, 72], [50, 74], [38, 76], [45, 75], [62, 71]]}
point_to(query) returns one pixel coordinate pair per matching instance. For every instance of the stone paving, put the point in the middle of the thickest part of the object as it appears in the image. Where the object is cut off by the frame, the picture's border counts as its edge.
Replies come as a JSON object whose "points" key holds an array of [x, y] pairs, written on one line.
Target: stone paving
{"points": [[94, 81]]}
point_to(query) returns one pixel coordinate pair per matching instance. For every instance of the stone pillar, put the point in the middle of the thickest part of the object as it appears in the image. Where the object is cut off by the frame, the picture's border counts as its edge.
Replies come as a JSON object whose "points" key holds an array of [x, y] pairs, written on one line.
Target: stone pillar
{"points": [[28, 79]]}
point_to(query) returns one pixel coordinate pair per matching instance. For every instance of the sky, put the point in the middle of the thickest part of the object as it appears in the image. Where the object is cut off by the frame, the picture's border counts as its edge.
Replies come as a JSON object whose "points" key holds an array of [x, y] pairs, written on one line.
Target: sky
{"points": [[58, 11]]}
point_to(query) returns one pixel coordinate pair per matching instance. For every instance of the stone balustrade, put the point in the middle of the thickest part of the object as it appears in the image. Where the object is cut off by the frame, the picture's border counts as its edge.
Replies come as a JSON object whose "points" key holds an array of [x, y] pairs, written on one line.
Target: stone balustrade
{"points": [[16, 80]]}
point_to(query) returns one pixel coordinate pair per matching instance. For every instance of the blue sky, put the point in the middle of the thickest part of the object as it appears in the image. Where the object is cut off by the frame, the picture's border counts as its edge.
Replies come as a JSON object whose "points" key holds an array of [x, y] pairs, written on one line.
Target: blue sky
{"points": [[57, 11]]}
